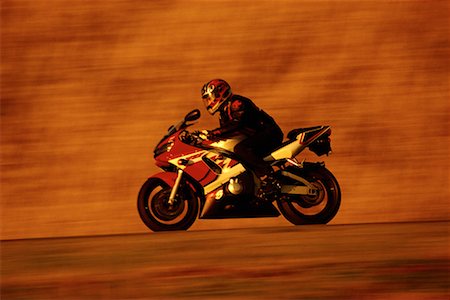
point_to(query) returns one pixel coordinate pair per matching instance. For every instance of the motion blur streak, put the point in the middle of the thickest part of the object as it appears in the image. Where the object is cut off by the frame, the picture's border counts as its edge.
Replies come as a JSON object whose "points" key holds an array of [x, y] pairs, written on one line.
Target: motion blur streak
{"points": [[372, 261], [88, 87]]}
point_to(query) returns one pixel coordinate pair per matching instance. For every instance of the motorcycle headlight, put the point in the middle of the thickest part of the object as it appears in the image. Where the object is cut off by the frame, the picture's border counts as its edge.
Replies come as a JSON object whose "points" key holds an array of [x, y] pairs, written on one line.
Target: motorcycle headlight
{"points": [[163, 148]]}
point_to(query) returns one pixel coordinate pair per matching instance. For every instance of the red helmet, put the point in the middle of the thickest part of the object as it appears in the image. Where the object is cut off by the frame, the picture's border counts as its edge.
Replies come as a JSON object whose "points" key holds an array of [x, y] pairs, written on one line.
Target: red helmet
{"points": [[214, 93]]}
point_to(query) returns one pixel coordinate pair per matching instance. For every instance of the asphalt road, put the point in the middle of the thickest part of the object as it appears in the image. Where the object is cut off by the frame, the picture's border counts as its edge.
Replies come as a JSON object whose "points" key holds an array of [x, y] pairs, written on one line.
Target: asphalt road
{"points": [[368, 261]]}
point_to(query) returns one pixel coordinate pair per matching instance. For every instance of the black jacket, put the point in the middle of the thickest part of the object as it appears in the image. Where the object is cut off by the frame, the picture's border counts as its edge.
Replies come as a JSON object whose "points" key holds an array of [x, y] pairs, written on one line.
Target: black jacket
{"points": [[240, 115]]}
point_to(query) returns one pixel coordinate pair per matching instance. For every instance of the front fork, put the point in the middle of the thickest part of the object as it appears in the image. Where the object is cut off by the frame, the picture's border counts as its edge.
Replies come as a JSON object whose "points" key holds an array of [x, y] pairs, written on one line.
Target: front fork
{"points": [[174, 191]]}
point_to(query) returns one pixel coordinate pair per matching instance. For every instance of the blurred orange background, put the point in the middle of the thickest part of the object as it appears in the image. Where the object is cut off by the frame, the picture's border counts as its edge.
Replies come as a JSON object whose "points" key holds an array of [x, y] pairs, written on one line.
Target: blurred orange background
{"points": [[89, 87]]}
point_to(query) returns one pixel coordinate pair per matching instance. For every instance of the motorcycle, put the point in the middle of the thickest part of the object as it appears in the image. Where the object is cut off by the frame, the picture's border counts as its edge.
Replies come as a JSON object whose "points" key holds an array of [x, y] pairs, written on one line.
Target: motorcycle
{"points": [[204, 179]]}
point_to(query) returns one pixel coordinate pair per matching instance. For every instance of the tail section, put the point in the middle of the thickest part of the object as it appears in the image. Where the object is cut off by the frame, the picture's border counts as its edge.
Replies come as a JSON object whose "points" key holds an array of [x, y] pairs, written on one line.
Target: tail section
{"points": [[299, 139]]}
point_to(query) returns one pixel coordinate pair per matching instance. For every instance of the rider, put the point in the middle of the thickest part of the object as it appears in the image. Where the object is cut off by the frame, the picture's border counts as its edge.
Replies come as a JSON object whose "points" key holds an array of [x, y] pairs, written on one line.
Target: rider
{"points": [[239, 115]]}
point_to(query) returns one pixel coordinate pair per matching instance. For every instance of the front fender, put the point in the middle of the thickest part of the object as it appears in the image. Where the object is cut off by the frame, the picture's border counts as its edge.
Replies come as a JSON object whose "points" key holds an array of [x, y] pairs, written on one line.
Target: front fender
{"points": [[167, 177]]}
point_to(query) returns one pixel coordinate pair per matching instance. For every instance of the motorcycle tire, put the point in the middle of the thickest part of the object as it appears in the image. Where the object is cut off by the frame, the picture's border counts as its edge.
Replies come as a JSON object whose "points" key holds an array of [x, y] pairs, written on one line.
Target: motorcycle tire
{"points": [[318, 209], [156, 212]]}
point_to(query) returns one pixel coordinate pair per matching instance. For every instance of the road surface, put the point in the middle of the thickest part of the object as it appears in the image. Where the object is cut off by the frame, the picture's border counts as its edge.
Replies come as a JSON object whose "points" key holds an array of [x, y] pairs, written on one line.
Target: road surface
{"points": [[368, 261]]}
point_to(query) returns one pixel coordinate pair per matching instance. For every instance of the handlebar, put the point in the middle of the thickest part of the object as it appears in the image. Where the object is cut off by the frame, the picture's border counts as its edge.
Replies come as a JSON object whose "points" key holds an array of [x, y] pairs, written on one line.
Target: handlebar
{"points": [[202, 134], [195, 138]]}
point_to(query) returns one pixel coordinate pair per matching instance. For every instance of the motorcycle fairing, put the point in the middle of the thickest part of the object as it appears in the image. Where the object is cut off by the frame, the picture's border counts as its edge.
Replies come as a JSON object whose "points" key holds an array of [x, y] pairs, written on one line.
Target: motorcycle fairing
{"points": [[168, 177], [229, 143], [199, 167]]}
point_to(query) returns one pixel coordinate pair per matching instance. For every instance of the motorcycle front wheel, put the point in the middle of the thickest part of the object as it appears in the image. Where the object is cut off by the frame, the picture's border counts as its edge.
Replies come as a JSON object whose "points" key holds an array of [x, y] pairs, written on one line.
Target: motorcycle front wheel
{"points": [[156, 212], [318, 209]]}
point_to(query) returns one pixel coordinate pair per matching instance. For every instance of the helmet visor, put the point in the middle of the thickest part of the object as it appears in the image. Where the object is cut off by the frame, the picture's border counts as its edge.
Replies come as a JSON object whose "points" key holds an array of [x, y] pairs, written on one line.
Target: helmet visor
{"points": [[210, 102]]}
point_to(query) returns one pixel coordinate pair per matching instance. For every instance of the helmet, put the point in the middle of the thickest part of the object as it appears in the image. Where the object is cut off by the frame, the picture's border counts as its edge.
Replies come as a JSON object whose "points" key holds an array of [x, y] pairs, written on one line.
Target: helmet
{"points": [[214, 93]]}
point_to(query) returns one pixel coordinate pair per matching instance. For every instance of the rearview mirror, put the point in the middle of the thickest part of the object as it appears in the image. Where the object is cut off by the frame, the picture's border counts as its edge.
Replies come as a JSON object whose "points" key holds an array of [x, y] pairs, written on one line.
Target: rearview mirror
{"points": [[193, 115]]}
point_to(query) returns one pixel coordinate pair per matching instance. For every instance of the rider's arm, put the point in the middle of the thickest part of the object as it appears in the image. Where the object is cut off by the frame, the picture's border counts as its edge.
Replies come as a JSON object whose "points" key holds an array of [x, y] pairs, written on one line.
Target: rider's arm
{"points": [[237, 116]]}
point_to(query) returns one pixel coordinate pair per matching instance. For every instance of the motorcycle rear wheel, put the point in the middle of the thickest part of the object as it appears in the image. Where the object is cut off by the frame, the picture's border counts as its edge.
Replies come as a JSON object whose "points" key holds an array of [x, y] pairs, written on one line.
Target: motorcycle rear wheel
{"points": [[319, 209], [156, 212]]}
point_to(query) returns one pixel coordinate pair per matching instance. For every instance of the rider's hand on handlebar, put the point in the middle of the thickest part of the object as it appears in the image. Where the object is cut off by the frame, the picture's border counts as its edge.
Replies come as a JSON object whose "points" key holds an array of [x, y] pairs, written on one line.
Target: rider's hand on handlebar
{"points": [[213, 134], [202, 134], [206, 134]]}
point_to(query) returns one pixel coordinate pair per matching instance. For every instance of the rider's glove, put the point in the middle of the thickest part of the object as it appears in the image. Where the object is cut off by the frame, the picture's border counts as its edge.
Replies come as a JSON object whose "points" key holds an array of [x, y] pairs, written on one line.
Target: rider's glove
{"points": [[213, 134], [202, 134]]}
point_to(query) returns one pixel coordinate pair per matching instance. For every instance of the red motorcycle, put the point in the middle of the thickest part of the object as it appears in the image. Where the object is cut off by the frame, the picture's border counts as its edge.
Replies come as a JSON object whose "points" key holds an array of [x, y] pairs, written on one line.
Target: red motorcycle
{"points": [[205, 179]]}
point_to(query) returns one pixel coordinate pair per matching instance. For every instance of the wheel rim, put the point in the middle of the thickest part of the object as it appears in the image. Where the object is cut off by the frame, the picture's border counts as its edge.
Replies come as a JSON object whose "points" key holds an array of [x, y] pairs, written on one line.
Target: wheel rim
{"points": [[311, 205], [162, 209], [158, 207]]}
